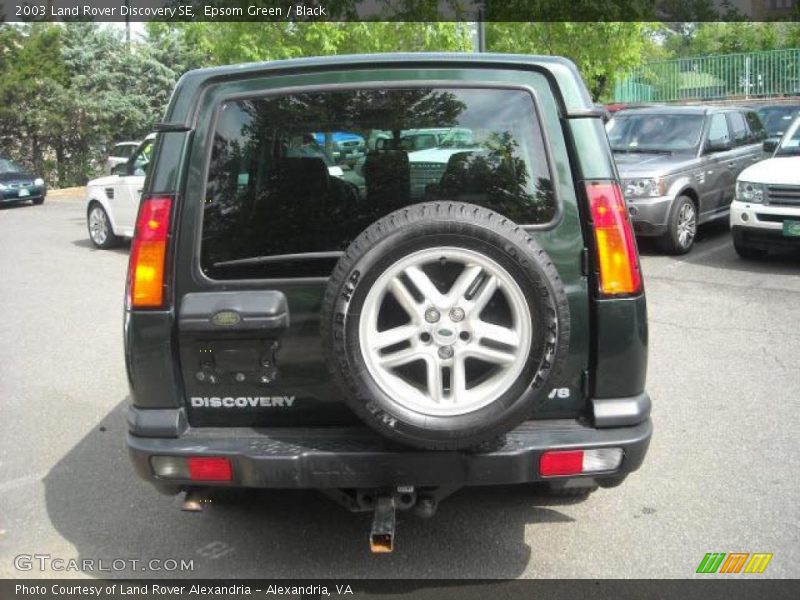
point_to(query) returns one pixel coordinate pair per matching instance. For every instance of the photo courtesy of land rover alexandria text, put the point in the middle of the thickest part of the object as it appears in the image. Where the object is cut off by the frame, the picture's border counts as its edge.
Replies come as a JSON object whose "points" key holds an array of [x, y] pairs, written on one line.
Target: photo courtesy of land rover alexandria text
{"points": [[385, 277]]}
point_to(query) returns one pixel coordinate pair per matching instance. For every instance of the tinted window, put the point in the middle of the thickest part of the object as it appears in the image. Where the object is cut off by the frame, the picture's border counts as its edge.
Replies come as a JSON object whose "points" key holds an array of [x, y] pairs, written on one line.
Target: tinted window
{"points": [[306, 173], [738, 129], [776, 119], [637, 132], [141, 160], [718, 130], [757, 131], [123, 150], [790, 144]]}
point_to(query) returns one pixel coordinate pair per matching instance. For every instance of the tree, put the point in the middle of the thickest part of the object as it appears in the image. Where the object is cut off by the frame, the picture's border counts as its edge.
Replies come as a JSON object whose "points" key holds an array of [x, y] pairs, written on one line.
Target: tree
{"points": [[600, 50], [66, 91], [222, 43]]}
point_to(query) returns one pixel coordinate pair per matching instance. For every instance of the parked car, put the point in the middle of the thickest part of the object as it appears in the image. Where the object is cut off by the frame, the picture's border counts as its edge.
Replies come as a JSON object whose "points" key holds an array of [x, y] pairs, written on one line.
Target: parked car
{"points": [[679, 166], [776, 118], [113, 201], [19, 185], [766, 211], [283, 332], [119, 154], [346, 147]]}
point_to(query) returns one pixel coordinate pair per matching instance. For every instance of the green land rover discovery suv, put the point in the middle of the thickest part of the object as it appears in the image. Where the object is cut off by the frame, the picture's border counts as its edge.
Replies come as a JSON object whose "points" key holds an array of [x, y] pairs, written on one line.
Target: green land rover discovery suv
{"points": [[470, 312]]}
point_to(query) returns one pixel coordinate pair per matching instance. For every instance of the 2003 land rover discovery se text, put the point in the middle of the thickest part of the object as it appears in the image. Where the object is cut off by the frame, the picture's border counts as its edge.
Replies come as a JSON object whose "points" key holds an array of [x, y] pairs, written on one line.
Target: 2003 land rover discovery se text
{"points": [[391, 333]]}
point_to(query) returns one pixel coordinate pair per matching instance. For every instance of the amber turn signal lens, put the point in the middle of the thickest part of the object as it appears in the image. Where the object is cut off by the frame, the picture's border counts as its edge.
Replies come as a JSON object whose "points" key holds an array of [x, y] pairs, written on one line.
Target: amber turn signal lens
{"points": [[148, 252], [617, 257]]}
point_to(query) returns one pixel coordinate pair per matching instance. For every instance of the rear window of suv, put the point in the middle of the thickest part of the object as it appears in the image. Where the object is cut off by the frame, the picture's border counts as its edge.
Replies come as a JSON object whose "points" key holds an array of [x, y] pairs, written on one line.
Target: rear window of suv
{"points": [[294, 178]]}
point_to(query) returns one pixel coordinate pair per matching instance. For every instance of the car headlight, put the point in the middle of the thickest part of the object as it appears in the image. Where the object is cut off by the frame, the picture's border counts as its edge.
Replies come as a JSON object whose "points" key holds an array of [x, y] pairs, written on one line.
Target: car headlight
{"points": [[38, 181], [2, 187], [642, 188], [749, 192]]}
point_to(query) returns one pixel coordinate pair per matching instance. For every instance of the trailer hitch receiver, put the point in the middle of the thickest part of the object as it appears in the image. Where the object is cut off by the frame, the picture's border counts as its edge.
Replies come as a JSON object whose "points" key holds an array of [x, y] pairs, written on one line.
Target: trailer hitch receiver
{"points": [[381, 537]]}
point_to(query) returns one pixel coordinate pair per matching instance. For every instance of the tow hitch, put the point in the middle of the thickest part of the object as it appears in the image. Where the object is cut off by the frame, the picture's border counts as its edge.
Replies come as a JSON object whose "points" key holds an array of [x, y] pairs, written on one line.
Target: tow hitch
{"points": [[384, 503], [381, 538]]}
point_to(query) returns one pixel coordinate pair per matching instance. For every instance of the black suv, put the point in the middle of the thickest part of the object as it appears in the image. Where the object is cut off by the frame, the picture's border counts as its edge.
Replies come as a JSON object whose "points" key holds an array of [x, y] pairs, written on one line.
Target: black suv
{"points": [[470, 313]]}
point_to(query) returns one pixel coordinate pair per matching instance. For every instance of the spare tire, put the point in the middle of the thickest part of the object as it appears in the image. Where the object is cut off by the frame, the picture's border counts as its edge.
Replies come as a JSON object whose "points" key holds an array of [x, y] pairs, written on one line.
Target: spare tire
{"points": [[442, 323]]}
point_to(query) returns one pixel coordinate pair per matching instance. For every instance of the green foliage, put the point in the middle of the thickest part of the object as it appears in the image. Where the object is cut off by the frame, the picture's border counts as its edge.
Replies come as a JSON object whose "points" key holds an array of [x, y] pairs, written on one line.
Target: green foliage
{"points": [[68, 91], [704, 39], [221, 43], [600, 50]]}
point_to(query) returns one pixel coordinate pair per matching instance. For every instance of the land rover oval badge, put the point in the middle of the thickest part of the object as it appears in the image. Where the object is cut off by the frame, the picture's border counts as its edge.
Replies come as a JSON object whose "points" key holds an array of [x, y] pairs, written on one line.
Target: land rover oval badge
{"points": [[226, 318]]}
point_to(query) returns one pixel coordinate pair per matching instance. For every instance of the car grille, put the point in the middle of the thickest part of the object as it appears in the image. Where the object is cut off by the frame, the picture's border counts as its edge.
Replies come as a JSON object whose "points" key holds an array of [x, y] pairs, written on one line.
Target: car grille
{"points": [[19, 184], [783, 195]]}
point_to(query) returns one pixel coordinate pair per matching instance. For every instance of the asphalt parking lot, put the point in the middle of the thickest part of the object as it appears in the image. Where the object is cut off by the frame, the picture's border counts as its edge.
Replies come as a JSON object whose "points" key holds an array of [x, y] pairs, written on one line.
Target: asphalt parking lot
{"points": [[721, 474]]}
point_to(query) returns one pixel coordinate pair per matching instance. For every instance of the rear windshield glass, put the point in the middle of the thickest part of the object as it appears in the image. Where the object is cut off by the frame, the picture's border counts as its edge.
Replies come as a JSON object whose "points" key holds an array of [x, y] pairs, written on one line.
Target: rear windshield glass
{"points": [[637, 132], [304, 174]]}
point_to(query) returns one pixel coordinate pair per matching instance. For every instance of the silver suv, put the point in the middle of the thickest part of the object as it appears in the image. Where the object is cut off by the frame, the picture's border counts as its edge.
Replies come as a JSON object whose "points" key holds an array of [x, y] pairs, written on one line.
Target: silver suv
{"points": [[679, 166]]}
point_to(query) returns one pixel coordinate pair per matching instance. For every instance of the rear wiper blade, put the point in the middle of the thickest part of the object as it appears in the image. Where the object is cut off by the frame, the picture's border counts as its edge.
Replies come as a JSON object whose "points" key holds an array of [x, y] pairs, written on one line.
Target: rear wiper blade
{"points": [[258, 260]]}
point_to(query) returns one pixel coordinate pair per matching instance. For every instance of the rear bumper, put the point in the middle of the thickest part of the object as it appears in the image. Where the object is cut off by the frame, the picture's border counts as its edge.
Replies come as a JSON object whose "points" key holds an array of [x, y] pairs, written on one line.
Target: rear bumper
{"points": [[351, 457]]}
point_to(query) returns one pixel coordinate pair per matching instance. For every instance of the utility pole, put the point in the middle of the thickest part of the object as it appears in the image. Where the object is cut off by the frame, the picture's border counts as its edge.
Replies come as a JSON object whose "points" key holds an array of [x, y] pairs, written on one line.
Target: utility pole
{"points": [[479, 44], [128, 24]]}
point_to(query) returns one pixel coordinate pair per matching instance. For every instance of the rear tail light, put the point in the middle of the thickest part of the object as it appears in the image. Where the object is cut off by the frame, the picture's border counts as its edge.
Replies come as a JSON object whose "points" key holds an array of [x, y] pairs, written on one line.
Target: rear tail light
{"points": [[616, 248], [210, 468], [576, 462], [198, 468], [148, 253]]}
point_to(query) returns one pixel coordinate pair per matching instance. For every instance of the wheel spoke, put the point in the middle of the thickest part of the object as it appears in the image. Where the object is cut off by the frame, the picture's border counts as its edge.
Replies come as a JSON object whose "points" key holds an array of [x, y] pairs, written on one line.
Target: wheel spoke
{"points": [[485, 293], [496, 333], [458, 379], [425, 285], [400, 292], [465, 279], [401, 357], [435, 381], [390, 337], [490, 355]]}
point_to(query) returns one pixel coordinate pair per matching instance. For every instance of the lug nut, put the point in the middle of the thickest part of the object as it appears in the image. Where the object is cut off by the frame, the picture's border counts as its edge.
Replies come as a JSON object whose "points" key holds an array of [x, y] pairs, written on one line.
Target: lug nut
{"points": [[446, 352], [240, 377], [432, 315], [457, 314]]}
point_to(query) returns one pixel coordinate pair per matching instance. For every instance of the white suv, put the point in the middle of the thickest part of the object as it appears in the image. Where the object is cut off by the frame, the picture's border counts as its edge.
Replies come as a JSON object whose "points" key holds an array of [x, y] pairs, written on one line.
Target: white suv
{"points": [[766, 210], [112, 202]]}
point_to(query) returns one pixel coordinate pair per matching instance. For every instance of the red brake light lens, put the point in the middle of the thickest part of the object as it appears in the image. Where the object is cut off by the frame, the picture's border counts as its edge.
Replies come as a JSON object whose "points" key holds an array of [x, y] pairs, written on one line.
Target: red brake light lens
{"points": [[616, 248], [148, 253], [210, 468], [566, 462]]}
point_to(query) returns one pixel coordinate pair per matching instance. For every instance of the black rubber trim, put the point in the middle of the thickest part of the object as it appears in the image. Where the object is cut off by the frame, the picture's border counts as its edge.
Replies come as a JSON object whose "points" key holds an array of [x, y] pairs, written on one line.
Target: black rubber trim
{"points": [[621, 412], [587, 113], [157, 422], [171, 127], [354, 457]]}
